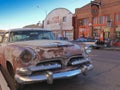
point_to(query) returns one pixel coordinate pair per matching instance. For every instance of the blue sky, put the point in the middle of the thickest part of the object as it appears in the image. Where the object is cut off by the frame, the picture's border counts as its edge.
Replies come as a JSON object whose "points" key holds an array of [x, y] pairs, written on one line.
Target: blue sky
{"points": [[18, 13]]}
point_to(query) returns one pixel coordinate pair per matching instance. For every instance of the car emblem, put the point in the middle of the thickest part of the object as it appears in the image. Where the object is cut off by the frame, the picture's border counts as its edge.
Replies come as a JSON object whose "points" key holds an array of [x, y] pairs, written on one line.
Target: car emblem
{"points": [[65, 61]]}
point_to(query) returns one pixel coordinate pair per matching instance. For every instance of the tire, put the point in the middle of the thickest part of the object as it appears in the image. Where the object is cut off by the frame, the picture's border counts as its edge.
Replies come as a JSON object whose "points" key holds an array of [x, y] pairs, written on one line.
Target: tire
{"points": [[10, 73], [7, 78], [18, 86], [97, 47]]}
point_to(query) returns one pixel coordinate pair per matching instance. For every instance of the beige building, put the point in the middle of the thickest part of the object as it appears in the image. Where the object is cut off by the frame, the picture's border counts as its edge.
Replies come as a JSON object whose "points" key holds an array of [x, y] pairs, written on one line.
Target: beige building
{"points": [[59, 21]]}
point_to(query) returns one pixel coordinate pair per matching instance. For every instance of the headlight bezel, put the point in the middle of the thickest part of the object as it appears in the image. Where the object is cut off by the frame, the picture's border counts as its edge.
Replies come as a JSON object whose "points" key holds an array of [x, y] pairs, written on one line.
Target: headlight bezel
{"points": [[88, 50], [27, 56]]}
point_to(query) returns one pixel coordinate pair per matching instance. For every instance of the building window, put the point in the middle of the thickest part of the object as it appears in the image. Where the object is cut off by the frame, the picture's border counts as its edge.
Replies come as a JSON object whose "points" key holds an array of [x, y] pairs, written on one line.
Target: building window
{"points": [[101, 20], [64, 19], [106, 35], [84, 22], [95, 20], [95, 33], [118, 34], [108, 18], [81, 22], [117, 17]]}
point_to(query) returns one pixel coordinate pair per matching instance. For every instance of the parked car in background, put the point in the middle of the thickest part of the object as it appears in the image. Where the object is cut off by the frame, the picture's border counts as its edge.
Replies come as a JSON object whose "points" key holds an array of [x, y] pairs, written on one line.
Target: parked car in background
{"points": [[103, 44], [86, 41], [62, 38], [93, 43], [30, 55], [116, 42]]}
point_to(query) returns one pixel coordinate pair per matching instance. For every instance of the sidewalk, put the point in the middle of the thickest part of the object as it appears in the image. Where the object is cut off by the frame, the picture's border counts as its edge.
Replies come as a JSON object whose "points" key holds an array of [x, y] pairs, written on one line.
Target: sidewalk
{"points": [[0, 87], [3, 83], [112, 48]]}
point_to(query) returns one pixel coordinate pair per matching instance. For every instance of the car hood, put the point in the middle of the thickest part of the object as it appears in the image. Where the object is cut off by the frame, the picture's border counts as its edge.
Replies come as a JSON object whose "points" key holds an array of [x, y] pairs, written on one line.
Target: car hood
{"points": [[46, 49], [43, 43]]}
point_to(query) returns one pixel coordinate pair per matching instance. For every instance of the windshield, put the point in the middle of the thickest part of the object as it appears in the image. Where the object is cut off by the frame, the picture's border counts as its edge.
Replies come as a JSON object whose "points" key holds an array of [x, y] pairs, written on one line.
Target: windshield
{"points": [[30, 35]]}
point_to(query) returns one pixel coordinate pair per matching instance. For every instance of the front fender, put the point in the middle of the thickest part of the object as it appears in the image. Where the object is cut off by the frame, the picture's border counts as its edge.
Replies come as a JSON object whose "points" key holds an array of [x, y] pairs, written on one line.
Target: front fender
{"points": [[12, 54]]}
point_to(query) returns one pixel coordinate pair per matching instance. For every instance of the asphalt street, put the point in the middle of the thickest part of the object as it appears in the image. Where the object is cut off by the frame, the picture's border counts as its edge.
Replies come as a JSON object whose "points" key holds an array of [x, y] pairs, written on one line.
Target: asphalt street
{"points": [[105, 75]]}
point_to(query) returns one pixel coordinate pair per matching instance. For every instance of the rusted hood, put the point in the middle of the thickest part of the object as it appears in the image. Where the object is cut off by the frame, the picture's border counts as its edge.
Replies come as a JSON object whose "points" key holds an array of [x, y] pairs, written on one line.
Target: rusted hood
{"points": [[44, 43], [50, 48]]}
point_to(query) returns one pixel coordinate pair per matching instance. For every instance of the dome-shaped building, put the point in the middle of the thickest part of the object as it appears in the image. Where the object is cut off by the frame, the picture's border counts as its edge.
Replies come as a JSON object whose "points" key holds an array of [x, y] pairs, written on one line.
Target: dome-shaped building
{"points": [[59, 21]]}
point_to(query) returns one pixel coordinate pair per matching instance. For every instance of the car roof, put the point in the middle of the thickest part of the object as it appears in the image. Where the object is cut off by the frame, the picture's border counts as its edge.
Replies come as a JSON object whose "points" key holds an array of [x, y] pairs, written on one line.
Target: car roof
{"points": [[25, 29]]}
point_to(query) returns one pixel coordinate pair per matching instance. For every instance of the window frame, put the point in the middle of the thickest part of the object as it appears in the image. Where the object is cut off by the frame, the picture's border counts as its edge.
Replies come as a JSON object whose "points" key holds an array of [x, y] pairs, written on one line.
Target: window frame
{"points": [[84, 21], [4, 36], [64, 19]]}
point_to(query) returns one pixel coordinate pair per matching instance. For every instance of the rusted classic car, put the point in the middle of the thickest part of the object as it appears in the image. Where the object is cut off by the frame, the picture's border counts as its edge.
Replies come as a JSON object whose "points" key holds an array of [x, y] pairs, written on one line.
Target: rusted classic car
{"points": [[33, 55]]}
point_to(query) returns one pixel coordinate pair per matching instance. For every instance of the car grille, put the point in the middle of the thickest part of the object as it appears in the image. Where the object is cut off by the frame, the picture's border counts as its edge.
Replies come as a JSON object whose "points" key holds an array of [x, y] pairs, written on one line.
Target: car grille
{"points": [[76, 61], [58, 65], [48, 65]]}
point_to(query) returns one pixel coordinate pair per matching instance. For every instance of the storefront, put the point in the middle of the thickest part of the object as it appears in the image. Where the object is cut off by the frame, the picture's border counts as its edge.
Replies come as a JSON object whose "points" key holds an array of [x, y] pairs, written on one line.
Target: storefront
{"points": [[117, 32], [107, 33], [83, 32], [99, 19], [117, 35], [98, 33]]}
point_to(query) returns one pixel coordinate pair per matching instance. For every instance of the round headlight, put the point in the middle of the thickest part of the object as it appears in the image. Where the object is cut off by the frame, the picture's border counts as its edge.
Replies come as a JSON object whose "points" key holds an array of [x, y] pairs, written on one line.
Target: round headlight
{"points": [[26, 56], [88, 50]]}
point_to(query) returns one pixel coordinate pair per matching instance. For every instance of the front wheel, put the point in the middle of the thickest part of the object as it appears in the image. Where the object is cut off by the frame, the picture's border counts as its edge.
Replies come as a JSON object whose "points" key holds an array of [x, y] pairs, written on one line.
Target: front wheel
{"points": [[11, 75], [18, 86]]}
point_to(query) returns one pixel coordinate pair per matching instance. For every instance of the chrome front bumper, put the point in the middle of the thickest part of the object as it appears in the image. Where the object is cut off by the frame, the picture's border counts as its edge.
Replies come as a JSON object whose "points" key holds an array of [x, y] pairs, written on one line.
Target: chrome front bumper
{"points": [[50, 76]]}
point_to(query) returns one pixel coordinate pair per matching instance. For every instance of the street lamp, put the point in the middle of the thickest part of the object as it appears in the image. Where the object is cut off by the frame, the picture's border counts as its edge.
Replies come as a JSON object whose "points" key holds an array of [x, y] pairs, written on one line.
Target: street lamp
{"points": [[45, 11]]}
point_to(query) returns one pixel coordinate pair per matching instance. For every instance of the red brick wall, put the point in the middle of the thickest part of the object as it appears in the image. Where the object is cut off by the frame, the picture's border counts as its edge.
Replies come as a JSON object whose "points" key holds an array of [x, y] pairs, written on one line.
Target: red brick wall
{"points": [[108, 7]]}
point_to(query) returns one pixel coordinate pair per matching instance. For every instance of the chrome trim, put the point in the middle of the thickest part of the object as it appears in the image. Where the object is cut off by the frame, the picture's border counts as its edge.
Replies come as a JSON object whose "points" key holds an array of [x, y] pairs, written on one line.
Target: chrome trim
{"points": [[49, 76], [90, 67], [45, 67], [29, 70], [79, 61], [76, 56], [23, 71]]}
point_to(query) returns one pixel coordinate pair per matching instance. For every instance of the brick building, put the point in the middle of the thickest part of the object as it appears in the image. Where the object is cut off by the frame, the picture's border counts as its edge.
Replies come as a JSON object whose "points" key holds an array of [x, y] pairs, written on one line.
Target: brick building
{"points": [[98, 19]]}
